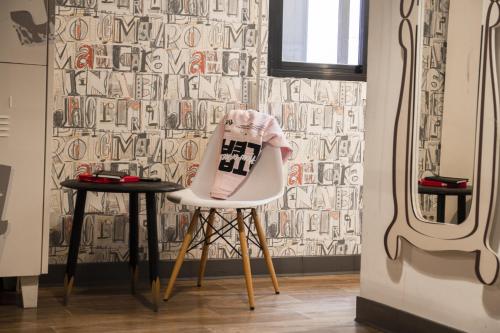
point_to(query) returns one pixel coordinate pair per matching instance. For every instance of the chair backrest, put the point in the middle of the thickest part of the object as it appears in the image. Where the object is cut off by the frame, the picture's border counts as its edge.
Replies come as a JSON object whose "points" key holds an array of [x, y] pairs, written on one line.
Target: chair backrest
{"points": [[263, 182]]}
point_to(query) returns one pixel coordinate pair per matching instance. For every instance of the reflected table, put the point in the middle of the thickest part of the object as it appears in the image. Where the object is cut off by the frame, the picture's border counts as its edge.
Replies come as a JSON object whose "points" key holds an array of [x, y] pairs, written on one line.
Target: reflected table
{"points": [[133, 189], [442, 193]]}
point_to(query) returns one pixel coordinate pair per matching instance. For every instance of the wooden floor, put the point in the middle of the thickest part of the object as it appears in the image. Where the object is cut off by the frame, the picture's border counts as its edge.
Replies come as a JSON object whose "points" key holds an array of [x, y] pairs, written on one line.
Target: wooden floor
{"points": [[306, 304]]}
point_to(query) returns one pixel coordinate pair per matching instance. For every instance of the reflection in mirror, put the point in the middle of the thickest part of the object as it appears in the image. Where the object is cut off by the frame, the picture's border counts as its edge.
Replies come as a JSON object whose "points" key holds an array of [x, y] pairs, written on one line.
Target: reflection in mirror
{"points": [[449, 59]]}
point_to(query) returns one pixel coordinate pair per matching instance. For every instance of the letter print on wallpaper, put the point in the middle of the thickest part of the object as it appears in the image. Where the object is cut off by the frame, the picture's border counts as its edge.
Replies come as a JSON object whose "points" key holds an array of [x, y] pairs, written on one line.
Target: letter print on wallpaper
{"points": [[140, 86], [434, 73]]}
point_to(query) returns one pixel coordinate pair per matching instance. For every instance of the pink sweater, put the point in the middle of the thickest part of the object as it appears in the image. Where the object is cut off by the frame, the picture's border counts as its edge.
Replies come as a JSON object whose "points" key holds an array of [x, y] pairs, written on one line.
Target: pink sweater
{"points": [[243, 133]]}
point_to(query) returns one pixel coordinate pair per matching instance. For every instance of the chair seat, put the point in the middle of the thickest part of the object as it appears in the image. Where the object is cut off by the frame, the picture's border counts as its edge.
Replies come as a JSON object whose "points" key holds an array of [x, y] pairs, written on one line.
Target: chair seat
{"points": [[189, 198]]}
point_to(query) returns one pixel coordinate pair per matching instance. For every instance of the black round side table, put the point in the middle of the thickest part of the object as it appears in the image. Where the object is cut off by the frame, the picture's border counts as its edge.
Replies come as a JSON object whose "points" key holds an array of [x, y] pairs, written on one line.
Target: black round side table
{"points": [[133, 189], [442, 193]]}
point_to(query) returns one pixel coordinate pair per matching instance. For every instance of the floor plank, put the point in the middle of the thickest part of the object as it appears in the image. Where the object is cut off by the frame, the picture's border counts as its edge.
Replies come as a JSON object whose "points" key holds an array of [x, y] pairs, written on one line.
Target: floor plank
{"points": [[306, 304]]}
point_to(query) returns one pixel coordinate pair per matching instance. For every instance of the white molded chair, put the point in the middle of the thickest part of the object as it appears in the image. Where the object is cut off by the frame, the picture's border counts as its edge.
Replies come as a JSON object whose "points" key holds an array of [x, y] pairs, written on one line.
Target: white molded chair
{"points": [[263, 184]]}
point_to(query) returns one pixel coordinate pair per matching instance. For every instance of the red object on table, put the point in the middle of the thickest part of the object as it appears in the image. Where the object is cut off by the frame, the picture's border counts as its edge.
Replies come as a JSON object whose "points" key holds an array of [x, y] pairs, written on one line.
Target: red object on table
{"points": [[87, 177]]}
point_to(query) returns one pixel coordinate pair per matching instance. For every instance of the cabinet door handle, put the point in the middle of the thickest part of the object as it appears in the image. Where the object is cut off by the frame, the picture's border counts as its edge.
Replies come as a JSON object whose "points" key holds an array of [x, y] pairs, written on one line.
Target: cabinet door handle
{"points": [[4, 126]]}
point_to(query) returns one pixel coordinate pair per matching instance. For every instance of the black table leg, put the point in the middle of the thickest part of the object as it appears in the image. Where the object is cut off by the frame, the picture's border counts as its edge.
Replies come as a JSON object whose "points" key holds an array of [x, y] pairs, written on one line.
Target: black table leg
{"points": [[441, 208], [153, 248], [74, 243], [133, 238], [462, 208]]}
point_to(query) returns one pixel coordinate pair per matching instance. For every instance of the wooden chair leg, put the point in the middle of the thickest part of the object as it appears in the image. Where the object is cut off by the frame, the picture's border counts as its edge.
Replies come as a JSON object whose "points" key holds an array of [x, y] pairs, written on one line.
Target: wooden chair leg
{"points": [[263, 243], [182, 254], [204, 253], [246, 259]]}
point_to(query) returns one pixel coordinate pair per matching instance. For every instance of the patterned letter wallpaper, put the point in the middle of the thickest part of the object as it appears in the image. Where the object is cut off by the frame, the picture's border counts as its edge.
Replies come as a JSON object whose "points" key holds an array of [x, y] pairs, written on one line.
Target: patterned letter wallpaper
{"points": [[433, 83], [140, 86]]}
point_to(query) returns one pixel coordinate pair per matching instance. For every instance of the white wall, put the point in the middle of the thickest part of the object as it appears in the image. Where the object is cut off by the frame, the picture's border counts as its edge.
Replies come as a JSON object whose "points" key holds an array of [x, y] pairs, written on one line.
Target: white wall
{"points": [[460, 97], [441, 287]]}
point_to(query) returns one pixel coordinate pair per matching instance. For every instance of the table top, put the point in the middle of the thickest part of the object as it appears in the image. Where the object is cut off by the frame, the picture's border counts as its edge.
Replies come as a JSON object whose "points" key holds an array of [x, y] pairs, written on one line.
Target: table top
{"points": [[444, 190], [137, 187]]}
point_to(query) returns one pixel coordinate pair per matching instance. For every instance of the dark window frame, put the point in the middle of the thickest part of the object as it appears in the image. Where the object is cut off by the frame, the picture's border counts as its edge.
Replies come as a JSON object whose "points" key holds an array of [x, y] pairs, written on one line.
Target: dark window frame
{"points": [[279, 68]]}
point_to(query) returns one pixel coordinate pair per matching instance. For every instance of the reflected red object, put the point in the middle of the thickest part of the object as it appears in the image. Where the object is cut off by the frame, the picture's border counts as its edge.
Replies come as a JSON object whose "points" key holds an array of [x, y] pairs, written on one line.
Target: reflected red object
{"points": [[434, 183]]}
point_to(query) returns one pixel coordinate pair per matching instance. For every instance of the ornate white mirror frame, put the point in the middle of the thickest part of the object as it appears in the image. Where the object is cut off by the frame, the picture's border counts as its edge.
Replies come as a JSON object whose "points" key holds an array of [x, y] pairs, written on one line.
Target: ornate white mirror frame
{"points": [[474, 233]]}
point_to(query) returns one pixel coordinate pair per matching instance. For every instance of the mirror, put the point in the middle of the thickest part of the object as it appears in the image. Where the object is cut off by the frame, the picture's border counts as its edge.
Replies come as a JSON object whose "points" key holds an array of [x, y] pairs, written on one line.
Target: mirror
{"points": [[469, 80], [448, 61], [470, 89]]}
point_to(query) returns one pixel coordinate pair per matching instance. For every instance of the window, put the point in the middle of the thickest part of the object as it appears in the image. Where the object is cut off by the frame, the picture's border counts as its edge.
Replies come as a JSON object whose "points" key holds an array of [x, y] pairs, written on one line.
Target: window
{"points": [[318, 39]]}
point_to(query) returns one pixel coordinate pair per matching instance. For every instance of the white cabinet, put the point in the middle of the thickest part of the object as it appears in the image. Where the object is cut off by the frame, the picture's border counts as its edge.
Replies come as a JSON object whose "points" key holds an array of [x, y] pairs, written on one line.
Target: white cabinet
{"points": [[24, 154], [23, 238]]}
